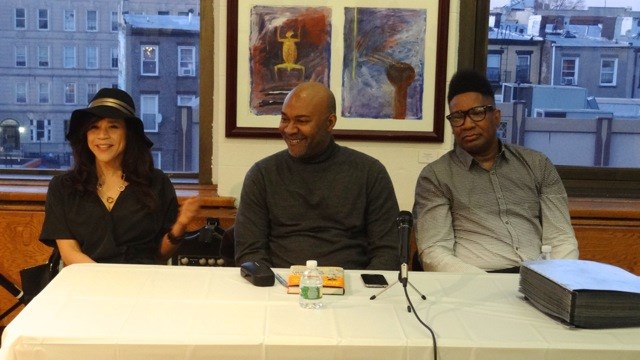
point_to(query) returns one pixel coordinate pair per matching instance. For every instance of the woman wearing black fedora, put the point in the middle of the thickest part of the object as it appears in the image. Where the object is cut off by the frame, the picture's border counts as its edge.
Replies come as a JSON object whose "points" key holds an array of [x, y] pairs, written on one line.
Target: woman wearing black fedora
{"points": [[113, 206]]}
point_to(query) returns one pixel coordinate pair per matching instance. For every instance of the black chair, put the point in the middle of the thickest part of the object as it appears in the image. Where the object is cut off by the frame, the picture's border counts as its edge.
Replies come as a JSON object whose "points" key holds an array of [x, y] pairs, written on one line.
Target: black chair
{"points": [[228, 247], [416, 265]]}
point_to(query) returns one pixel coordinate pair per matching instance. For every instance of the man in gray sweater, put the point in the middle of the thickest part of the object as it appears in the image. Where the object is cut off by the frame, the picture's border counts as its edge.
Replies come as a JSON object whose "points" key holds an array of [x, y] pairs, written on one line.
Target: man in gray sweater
{"points": [[316, 199]]}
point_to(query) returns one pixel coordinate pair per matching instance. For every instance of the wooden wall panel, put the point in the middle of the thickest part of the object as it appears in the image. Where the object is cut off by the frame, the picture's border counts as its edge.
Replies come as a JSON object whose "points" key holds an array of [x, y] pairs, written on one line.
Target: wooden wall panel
{"points": [[19, 248], [617, 245], [608, 230]]}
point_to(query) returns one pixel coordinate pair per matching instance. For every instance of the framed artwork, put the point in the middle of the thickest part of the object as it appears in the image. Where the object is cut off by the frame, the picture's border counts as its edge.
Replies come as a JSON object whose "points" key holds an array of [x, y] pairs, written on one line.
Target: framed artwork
{"points": [[385, 61]]}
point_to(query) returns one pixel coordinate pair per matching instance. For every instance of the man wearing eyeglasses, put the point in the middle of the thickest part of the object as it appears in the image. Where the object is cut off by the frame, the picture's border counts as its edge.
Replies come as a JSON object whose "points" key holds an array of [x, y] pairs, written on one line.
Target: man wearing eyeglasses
{"points": [[485, 205]]}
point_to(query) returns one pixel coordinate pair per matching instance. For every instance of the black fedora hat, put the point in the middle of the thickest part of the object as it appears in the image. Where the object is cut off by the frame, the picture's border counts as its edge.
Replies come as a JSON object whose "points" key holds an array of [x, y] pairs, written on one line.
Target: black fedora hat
{"points": [[108, 103]]}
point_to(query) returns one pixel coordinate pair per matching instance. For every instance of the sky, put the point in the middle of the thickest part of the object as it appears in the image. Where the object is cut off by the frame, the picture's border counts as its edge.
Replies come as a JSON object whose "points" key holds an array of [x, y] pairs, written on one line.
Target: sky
{"points": [[635, 4]]}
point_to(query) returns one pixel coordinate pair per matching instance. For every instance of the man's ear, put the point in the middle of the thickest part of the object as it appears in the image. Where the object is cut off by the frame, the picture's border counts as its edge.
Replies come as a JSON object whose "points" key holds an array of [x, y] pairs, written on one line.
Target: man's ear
{"points": [[331, 121]]}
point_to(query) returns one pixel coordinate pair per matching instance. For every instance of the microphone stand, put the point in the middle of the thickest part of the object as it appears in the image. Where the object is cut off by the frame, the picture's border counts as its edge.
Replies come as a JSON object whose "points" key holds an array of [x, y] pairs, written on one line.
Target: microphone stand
{"points": [[405, 222]]}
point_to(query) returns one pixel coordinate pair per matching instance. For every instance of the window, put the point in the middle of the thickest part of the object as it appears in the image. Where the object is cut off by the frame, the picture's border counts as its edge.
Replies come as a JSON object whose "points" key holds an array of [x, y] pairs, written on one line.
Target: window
{"points": [[40, 130], [608, 72], [114, 21], [523, 68], [69, 20], [43, 19], [43, 56], [114, 58], [92, 20], [92, 90], [493, 67], [44, 92], [149, 112], [20, 19], [569, 75], [21, 93], [21, 55], [76, 52], [186, 61], [592, 126], [149, 60], [92, 57], [70, 93], [69, 54]]}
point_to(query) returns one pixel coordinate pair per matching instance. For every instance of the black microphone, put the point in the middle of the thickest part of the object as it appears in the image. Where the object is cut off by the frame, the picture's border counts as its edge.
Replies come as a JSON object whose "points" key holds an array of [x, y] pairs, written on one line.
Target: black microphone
{"points": [[404, 222]]}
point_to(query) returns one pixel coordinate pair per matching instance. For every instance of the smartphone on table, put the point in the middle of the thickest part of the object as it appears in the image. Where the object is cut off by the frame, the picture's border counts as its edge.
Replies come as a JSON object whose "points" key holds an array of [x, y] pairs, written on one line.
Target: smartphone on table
{"points": [[374, 280]]}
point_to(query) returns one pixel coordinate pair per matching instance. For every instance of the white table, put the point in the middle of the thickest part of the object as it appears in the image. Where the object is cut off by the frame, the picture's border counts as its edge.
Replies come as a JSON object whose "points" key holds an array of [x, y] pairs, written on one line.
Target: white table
{"points": [[98, 311]]}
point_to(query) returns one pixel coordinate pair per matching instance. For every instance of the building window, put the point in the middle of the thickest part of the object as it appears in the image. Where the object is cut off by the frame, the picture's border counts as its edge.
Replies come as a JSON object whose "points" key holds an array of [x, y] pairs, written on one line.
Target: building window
{"points": [[493, 67], [44, 90], [523, 68], [43, 56], [21, 19], [92, 90], [43, 19], [608, 71], [149, 112], [569, 74], [149, 60], [70, 93], [186, 60], [114, 21], [69, 54], [40, 130], [114, 58], [21, 93], [92, 57], [92, 20], [69, 20], [21, 55], [95, 49]]}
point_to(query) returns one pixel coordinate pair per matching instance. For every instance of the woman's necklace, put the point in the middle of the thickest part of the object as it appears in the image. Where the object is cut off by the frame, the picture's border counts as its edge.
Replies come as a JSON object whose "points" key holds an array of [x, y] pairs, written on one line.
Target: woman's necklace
{"points": [[111, 199]]}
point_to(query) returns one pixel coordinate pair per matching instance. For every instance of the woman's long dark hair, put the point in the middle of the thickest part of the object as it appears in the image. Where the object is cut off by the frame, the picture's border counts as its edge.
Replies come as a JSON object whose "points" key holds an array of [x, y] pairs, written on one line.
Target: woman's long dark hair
{"points": [[137, 165]]}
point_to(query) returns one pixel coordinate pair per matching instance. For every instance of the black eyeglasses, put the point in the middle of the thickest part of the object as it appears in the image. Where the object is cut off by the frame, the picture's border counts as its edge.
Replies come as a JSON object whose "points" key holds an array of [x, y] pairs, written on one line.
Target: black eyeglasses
{"points": [[476, 113]]}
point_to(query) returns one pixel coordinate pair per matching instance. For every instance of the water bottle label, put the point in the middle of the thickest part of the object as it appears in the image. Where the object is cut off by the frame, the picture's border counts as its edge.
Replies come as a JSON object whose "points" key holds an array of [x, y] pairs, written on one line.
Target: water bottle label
{"points": [[311, 292]]}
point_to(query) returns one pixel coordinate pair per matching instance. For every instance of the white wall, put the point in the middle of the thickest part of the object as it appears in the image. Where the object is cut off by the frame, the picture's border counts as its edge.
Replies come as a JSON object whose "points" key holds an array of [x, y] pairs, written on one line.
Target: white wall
{"points": [[232, 157]]}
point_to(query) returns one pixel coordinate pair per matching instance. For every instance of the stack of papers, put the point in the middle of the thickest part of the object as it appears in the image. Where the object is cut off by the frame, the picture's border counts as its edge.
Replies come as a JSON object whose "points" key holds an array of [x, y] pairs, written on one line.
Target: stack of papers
{"points": [[582, 293]]}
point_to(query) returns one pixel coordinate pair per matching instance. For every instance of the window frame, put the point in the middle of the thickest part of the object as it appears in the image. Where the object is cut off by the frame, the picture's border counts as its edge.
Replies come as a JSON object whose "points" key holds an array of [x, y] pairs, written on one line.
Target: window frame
{"points": [[73, 56], [87, 28], [614, 80], [25, 55], [578, 181], [155, 61], [204, 175], [144, 110], [565, 74], [40, 23], [191, 63], [23, 19], [89, 57], [69, 25], [18, 92], [40, 57]]}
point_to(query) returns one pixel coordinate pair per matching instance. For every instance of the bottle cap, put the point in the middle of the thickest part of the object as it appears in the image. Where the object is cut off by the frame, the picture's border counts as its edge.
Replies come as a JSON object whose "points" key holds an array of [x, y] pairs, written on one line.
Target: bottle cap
{"points": [[312, 264], [546, 248]]}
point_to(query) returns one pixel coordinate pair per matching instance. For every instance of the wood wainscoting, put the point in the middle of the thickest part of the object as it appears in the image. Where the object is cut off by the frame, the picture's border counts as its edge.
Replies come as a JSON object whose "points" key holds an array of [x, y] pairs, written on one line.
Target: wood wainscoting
{"points": [[608, 230]]}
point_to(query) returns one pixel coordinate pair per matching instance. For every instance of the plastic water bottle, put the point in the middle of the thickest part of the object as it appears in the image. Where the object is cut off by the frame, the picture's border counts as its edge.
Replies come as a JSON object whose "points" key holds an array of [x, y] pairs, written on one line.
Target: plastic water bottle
{"points": [[545, 252], [311, 286]]}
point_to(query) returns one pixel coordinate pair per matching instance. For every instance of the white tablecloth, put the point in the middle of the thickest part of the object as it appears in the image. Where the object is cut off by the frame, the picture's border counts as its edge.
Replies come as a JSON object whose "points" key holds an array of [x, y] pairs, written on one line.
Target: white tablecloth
{"points": [[99, 311]]}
